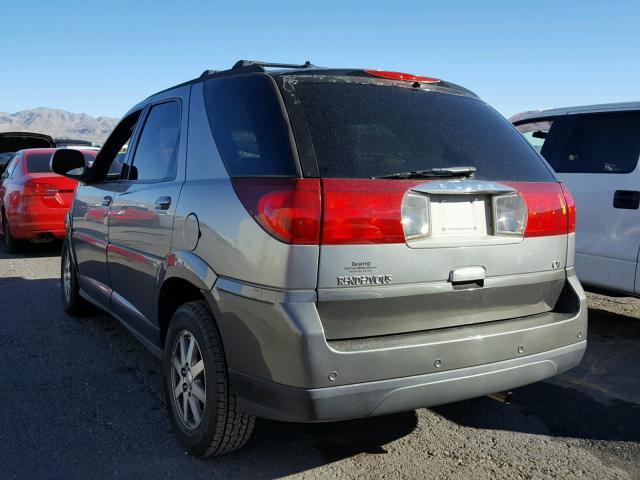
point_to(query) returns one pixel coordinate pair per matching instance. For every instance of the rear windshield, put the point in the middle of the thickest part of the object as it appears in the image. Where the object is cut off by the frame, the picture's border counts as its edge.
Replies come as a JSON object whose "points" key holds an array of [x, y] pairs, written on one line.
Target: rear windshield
{"points": [[364, 130], [39, 162]]}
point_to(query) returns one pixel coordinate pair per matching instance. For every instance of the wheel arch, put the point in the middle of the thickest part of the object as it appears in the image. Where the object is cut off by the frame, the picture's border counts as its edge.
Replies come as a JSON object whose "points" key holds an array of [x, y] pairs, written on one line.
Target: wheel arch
{"points": [[184, 277]]}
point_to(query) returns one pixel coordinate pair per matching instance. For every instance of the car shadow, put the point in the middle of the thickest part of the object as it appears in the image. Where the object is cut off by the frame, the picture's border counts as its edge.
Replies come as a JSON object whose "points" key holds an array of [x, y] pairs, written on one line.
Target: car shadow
{"points": [[598, 400], [93, 401], [33, 250]]}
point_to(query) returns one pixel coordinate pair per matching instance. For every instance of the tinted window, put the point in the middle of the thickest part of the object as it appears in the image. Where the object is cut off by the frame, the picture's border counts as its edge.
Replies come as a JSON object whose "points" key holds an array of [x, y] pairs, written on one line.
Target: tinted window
{"points": [[157, 152], [536, 132], [249, 127], [11, 166], [360, 130], [600, 143], [38, 162]]}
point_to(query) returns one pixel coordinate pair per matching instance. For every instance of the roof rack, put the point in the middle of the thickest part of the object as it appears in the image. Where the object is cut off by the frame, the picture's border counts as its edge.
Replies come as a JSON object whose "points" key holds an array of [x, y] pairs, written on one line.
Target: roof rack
{"points": [[258, 63]]}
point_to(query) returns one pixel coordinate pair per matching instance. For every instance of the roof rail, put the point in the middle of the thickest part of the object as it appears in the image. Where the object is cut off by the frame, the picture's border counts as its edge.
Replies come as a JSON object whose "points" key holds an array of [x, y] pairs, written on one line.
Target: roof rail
{"points": [[206, 73], [258, 63]]}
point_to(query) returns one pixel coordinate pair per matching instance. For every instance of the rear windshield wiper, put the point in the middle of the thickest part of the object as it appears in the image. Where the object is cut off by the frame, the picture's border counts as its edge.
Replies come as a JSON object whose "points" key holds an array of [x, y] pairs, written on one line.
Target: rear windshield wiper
{"points": [[441, 172]]}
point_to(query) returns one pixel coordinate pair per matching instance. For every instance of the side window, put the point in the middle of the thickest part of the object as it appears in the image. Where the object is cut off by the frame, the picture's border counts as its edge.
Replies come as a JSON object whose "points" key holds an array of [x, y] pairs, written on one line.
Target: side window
{"points": [[10, 167], [601, 143], [536, 132], [249, 127], [13, 168], [156, 154]]}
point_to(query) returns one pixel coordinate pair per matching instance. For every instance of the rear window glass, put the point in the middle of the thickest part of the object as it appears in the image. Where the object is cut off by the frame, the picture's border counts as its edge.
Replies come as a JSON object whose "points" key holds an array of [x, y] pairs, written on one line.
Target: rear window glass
{"points": [[39, 162], [361, 130], [600, 143], [249, 127]]}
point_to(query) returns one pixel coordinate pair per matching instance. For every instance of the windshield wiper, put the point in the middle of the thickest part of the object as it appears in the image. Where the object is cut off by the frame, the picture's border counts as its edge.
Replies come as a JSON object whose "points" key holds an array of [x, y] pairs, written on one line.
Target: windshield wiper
{"points": [[440, 172]]}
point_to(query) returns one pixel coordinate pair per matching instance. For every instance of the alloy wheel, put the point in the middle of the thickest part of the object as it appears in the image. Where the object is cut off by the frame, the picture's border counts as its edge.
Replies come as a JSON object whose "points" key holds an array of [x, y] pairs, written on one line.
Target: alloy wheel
{"points": [[188, 380], [66, 276]]}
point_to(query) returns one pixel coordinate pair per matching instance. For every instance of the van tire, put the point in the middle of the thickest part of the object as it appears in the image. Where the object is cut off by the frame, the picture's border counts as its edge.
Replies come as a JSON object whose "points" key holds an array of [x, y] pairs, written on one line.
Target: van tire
{"points": [[222, 428]]}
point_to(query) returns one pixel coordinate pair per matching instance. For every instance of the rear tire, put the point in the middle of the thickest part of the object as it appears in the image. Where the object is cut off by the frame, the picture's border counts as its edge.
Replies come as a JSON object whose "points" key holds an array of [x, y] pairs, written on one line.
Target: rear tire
{"points": [[73, 303], [201, 403], [11, 244]]}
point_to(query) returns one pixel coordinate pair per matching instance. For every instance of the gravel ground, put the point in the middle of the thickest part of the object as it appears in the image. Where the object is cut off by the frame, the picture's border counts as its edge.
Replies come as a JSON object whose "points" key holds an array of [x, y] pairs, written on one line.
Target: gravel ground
{"points": [[81, 398]]}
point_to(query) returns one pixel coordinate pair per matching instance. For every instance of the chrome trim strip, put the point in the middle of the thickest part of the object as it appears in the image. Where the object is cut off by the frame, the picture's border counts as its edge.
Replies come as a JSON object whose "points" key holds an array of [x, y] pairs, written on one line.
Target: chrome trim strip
{"points": [[465, 186], [134, 255], [90, 239]]}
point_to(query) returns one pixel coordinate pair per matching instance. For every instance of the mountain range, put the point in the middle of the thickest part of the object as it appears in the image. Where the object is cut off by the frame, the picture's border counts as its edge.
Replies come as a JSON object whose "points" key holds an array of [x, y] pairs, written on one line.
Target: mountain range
{"points": [[58, 123]]}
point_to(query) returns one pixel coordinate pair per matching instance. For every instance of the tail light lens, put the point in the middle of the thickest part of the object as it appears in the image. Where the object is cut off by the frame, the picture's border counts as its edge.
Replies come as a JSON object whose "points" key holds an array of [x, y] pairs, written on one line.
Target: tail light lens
{"points": [[402, 76], [287, 208], [39, 189], [548, 212], [571, 208], [360, 211], [415, 216], [510, 215]]}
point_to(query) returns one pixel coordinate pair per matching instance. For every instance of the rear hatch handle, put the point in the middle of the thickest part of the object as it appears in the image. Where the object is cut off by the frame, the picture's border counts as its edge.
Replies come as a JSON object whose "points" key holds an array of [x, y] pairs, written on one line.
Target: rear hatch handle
{"points": [[468, 276]]}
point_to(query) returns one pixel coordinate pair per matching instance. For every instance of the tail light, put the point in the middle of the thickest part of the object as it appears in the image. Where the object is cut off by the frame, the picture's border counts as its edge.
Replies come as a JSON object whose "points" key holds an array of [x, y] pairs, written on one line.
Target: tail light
{"points": [[39, 189], [415, 216], [364, 211], [550, 208], [402, 76], [287, 208], [368, 211], [509, 215], [571, 208]]}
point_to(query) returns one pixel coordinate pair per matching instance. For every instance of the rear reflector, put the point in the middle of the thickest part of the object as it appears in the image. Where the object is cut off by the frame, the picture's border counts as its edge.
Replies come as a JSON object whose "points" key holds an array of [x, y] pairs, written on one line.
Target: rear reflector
{"points": [[403, 76], [548, 211], [287, 208]]}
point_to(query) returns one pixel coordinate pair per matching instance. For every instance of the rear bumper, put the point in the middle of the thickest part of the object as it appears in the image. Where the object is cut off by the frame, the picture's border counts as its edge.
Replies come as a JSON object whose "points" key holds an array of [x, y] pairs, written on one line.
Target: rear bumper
{"points": [[281, 402], [32, 225], [283, 367]]}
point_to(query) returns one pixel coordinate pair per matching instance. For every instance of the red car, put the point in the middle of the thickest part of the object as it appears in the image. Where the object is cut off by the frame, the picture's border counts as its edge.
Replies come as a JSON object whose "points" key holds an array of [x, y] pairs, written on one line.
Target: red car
{"points": [[33, 200]]}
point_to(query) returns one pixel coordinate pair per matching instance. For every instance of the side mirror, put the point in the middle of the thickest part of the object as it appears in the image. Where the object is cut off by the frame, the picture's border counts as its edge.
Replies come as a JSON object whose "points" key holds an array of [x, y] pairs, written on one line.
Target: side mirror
{"points": [[69, 162]]}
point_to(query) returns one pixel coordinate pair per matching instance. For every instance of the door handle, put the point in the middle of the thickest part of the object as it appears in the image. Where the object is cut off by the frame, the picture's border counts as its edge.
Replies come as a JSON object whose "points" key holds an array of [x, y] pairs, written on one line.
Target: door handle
{"points": [[628, 199], [468, 275], [163, 203], [106, 201]]}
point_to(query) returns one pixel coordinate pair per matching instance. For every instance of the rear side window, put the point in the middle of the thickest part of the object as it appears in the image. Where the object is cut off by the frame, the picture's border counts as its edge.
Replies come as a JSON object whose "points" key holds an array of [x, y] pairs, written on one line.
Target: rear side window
{"points": [[156, 155], [600, 143], [362, 130], [38, 162], [536, 132], [249, 127]]}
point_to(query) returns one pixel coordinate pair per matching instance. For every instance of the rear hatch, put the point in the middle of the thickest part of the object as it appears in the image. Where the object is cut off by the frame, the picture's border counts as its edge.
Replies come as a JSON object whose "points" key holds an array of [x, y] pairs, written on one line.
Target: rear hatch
{"points": [[436, 213], [11, 142]]}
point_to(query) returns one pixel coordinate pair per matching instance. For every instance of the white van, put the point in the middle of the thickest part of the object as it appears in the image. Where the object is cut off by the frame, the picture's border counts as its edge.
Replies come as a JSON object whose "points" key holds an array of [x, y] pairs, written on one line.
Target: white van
{"points": [[594, 150]]}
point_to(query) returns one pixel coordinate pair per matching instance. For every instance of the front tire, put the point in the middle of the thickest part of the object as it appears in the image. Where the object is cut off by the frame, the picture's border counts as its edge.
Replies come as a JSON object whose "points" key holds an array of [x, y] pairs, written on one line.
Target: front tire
{"points": [[73, 303], [202, 405]]}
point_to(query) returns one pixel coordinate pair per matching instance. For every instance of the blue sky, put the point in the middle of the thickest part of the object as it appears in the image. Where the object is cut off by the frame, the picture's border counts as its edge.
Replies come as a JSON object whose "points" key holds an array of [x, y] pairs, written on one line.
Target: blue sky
{"points": [[103, 57]]}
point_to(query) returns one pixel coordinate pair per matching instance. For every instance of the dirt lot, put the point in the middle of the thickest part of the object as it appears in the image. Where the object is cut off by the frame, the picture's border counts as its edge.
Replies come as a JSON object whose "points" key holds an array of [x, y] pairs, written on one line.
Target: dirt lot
{"points": [[81, 398]]}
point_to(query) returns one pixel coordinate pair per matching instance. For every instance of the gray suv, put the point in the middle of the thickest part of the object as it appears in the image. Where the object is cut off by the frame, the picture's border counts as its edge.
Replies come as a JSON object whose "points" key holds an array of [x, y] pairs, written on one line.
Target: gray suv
{"points": [[311, 244]]}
